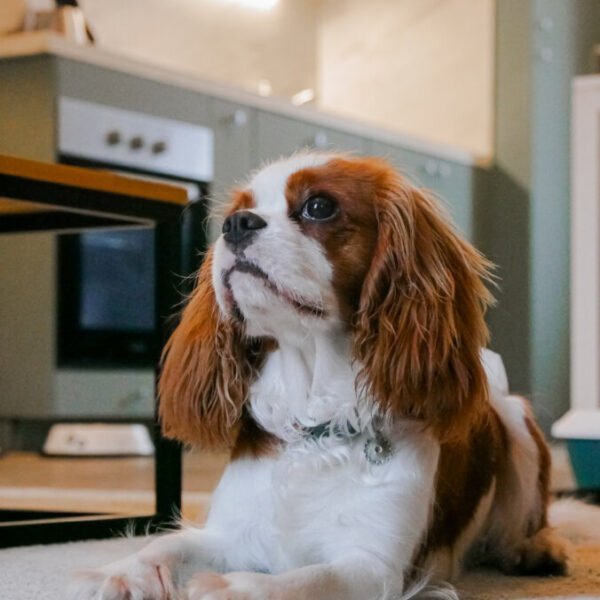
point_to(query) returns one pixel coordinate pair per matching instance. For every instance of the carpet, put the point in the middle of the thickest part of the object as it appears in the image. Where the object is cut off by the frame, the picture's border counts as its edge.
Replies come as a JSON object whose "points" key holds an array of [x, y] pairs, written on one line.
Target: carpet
{"points": [[41, 572]]}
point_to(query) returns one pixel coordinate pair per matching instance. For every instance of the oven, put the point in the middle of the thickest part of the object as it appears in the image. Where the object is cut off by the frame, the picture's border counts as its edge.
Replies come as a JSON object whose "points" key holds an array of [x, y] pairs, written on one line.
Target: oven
{"points": [[81, 318], [105, 280], [105, 337]]}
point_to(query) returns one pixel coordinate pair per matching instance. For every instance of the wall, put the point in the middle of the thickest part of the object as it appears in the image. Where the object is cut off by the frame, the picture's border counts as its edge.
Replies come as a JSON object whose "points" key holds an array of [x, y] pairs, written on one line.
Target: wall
{"points": [[524, 224], [214, 39], [561, 51], [424, 67]]}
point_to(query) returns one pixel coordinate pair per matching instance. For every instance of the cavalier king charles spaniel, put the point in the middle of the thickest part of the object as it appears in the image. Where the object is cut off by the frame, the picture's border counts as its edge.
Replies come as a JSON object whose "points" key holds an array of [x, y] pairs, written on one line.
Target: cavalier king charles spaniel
{"points": [[335, 344]]}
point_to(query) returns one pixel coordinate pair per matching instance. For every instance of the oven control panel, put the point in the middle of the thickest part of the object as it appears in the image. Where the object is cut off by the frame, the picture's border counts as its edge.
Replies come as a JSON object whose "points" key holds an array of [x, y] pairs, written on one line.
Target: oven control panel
{"points": [[116, 136]]}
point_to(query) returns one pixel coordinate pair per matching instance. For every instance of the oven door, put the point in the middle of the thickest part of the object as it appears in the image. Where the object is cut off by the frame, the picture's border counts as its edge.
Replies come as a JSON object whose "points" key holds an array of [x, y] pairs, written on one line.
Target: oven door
{"points": [[106, 288]]}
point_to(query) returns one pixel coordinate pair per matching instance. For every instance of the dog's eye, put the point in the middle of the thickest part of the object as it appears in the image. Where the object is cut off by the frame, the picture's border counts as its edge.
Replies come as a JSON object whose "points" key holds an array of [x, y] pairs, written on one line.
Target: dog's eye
{"points": [[319, 208]]}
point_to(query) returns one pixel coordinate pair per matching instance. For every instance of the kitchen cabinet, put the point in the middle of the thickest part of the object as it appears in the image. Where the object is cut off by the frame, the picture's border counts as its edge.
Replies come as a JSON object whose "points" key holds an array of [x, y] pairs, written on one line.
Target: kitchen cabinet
{"points": [[248, 130], [246, 134], [278, 136], [102, 85], [453, 183], [233, 125], [524, 222]]}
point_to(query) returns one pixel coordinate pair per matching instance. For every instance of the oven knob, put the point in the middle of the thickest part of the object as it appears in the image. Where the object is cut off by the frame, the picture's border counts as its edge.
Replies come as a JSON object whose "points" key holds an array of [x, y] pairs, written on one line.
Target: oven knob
{"points": [[113, 138], [159, 147], [136, 143]]}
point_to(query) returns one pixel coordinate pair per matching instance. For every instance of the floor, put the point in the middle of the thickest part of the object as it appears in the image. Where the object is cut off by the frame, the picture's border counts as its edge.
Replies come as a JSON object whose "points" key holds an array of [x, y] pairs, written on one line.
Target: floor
{"points": [[42, 572], [29, 481]]}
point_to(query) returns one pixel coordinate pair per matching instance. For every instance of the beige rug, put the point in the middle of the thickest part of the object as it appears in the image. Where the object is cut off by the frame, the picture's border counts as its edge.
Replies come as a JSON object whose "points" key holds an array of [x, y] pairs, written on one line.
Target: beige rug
{"points": [[578, 523], [583, 581], [40, 572]]}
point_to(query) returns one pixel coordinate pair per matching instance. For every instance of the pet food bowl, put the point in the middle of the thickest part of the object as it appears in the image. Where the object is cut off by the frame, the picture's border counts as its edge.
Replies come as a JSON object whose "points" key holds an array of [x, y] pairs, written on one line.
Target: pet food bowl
{"points": [[98, 439], [585, 460], [581, 431]]}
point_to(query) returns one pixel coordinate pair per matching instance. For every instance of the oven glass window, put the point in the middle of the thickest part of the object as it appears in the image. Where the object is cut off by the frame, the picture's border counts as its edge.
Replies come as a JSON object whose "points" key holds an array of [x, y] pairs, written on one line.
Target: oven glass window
{"points": [[117, 280]]}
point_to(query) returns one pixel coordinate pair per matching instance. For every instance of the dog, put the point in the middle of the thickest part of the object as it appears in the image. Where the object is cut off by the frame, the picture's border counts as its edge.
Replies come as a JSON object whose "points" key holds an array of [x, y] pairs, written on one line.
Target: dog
{"points": [[335, 344]]}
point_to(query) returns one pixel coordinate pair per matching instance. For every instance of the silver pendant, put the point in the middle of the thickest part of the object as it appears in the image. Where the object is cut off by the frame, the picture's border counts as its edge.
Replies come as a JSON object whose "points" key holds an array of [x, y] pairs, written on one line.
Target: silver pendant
{"points": [[378, 450]]}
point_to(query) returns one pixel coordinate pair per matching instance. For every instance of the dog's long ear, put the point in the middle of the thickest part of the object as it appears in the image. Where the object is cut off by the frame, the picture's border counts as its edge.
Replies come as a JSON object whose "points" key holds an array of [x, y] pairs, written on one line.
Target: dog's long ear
{"points": [[420, 327], [207, 367]]}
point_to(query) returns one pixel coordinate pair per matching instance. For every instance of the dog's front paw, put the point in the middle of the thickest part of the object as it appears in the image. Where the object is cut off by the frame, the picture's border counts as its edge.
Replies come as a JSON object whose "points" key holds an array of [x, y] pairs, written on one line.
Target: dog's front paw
{"points": [[131, 579], [233, 586]]}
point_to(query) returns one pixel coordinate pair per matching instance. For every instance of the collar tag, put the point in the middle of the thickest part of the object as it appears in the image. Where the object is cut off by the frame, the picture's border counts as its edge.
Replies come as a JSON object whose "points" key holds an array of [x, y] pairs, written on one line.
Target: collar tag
{"points": [[378, 450]]}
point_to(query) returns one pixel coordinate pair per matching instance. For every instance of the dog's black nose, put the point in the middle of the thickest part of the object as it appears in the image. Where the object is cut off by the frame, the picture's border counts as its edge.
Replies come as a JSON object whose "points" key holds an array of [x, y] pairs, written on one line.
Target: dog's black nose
{"points": [[240, 227]]}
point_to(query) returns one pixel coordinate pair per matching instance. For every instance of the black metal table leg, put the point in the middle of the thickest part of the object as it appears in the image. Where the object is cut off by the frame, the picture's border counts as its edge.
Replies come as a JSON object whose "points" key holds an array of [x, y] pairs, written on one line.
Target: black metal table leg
{"points": [[96, 199], [168, 467]]}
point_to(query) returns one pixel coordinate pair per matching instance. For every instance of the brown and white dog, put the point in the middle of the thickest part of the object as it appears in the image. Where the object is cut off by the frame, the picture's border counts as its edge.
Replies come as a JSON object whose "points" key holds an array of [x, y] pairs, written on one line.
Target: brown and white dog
{"points": [[335, 343]]}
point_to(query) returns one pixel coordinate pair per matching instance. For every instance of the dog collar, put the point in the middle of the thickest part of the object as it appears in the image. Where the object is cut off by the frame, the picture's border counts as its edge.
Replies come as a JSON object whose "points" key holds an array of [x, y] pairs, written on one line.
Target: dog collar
{"points": [[377, 449], [328, 429]]}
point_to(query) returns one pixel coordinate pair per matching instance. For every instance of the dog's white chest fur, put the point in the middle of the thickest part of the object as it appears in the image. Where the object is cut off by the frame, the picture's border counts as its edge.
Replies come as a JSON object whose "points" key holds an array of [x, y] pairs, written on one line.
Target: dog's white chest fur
{"points": [[306, 384], [323, 501]]}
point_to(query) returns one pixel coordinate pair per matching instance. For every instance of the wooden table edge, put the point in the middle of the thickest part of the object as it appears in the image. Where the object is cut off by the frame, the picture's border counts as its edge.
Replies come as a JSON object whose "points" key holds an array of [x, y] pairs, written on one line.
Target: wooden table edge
{"points": [[85, 178]]}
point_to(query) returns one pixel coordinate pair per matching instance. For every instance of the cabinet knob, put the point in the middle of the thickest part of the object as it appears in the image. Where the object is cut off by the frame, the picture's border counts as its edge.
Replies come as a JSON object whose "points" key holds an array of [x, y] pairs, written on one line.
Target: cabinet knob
{"points": [[545, 54], [545, 23], [238, 118], [437, 169], [431, 168], [320, 140], [445, 170]]}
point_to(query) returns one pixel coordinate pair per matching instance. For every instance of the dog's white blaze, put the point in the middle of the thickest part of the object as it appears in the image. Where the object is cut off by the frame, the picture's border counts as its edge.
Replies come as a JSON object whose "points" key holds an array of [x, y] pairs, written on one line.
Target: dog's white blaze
{"points": [[268, 185], [293, 262]]}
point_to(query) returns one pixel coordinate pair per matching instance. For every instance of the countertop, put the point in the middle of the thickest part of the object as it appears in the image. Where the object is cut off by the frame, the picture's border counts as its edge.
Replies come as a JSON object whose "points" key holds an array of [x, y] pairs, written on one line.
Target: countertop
{"points": [[41, 42]]}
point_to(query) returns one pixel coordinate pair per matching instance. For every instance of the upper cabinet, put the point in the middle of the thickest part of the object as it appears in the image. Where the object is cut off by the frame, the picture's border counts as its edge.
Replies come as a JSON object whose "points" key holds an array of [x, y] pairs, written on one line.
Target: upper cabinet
{"points": [[453, 183], [246, 137], [278, 136], [247, 130], [233, 125]]}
